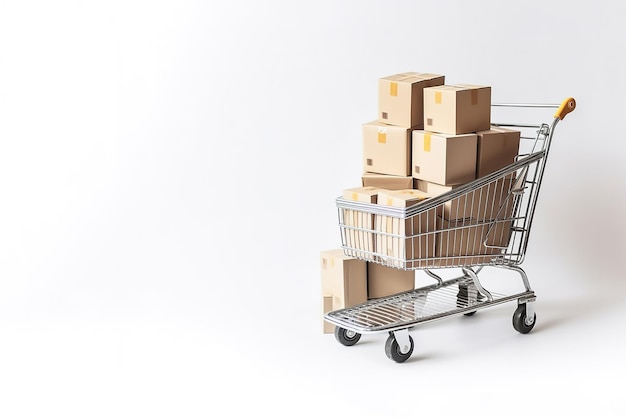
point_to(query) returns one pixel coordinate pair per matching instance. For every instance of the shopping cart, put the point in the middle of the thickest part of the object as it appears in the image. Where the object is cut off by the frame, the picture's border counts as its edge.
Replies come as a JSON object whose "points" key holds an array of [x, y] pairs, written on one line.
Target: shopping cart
{"points": [[492, 222]]}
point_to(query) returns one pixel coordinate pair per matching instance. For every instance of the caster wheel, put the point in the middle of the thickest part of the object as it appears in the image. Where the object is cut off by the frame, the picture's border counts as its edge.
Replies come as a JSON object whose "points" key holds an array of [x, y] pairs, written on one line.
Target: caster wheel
{"points": [[521, 323], [392, 349], [346, 337], [462, 299]]}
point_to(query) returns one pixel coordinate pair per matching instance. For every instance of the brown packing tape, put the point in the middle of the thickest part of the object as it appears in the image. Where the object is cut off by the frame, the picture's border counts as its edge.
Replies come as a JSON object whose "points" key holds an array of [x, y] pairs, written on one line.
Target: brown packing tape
{"points": [[393, 89], [437, 97], [474, 96], [382, 137], [355, 196]]}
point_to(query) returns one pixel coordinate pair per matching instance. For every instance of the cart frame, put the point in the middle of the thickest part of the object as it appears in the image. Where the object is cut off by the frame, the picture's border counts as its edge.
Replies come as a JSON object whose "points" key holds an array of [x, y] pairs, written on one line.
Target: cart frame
{"points": [[493, 218]]}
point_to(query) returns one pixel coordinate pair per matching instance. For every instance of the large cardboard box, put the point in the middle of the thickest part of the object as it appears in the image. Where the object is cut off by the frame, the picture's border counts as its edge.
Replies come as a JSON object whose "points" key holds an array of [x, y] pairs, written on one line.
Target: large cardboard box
{"points": [[399, 240], [383, 281], [386, 149], [487, 202], [494, 200], [401, 100], [453, 209], [444, 159], [457, 109], [466, 237], [497, 148], [344, 278], [387, 182], [360, 239]]}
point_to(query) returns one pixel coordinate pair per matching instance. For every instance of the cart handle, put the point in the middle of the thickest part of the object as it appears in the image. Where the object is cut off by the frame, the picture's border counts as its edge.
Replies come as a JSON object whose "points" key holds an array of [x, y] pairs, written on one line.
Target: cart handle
{"points": [[568, 105]]}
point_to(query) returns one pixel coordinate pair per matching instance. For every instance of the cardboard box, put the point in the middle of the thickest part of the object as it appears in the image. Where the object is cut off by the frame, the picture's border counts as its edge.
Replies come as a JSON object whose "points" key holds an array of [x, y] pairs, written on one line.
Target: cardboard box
{"points": [[383, 281], [327, 307], [362, 241], [494, 200], [386, 149], [466, 237], [444, 159], [497, 148], [401, 99], [485, 203], [344, 279], [387, 182], [457, 109], [409, 238], [453, 209]]}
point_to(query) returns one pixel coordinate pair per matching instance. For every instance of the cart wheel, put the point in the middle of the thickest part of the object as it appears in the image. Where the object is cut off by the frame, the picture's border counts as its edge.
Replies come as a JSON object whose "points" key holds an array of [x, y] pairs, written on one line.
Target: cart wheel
{"points": [[346, 337], [520, 323], [460, 304], [392, 349], [462, 300]]}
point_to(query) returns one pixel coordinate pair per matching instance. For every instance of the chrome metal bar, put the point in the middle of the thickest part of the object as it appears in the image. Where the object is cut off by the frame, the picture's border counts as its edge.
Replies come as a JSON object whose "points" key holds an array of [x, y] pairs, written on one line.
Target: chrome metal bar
{"points": [[434, 276], [529, 105], [470, 272], [519, 271], [517, 125], [530, 312], [541, 169]]}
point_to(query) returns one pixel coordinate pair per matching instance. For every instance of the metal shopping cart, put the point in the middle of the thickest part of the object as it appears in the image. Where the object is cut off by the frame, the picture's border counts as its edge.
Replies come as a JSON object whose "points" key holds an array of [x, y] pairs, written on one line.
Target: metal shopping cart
{"points": [[493, 218]]}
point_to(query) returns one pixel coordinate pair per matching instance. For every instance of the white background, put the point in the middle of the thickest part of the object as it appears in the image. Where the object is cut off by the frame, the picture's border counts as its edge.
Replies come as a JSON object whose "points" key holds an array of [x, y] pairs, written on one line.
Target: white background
{"points": [[168, 173]]}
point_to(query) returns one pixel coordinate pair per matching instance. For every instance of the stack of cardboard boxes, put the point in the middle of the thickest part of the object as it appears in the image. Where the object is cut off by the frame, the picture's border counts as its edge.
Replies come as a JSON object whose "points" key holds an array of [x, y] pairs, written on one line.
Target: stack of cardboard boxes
{"points": [[429, 138], [457, 146]]}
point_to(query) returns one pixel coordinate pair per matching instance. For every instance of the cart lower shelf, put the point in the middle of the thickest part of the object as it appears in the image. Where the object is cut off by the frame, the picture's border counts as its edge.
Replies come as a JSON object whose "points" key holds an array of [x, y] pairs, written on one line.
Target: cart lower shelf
{"points": [[397, 313]]}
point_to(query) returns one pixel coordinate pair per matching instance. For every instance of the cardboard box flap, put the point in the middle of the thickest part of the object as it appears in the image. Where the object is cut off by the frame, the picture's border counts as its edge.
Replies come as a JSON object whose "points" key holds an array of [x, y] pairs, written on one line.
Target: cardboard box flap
{"points": [[457, 87], [363, 194], [445, 87], [403, 77], [401, 198], [410, 77], [387, 182], [470, 86]]}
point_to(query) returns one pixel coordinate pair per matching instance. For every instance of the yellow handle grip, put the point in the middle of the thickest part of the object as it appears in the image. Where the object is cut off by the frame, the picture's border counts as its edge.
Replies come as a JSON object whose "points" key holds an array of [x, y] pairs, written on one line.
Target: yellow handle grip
{"points": [[568, 105]]}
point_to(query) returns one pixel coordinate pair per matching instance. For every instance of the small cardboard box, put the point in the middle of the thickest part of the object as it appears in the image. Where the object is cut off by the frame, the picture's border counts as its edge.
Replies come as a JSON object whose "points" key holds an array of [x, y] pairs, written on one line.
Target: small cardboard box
{"points": [[484, 203], [383, 281], [401, 99], [497, 148], [466, 237], [444, 159], [386, 149], [344, 278], [400, 240], [457, 109], [386, 182], [361, 240]]}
